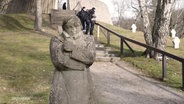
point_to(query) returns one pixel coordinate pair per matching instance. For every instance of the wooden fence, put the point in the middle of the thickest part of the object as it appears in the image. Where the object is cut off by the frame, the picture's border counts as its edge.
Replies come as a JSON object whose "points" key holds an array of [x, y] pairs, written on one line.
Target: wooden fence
{"points": [[124, 39]]}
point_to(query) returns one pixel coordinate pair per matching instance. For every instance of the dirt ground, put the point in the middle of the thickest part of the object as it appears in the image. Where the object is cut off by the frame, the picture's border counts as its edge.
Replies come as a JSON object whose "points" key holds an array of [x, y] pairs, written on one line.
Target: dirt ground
{"points": [[119, 83]]}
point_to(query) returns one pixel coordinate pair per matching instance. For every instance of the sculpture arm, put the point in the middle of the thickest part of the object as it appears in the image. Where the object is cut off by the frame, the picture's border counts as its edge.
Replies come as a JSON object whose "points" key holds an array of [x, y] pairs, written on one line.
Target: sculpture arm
{"points": [[60, 58], [85, 54]]}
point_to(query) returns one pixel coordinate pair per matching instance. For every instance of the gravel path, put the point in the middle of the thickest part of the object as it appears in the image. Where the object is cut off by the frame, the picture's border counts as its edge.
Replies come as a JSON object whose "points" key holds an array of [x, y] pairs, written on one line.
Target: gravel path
{"points": [[120, 84]]}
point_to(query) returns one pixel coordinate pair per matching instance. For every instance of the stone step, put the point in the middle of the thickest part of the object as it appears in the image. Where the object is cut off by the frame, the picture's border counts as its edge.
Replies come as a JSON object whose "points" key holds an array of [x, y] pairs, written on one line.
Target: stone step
{"points": [[99, 45], [103, 54], [107, 59]]}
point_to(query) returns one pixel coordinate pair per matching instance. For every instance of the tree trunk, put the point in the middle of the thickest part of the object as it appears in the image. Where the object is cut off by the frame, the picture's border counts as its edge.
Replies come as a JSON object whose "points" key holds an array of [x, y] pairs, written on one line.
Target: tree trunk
{"points": [[161, 24], [38, 16], [4, 5], [146, 23]]}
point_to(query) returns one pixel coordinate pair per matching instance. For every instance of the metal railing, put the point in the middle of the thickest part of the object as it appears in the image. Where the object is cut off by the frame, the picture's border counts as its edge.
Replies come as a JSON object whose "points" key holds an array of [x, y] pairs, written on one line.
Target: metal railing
{"points": [[164, 54]]}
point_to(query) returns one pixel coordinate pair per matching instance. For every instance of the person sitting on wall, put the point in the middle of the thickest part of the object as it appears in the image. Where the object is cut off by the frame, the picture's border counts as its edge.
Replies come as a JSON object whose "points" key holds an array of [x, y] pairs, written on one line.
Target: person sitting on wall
{"points": [[92, 19], [87, 19], [81, 15]]}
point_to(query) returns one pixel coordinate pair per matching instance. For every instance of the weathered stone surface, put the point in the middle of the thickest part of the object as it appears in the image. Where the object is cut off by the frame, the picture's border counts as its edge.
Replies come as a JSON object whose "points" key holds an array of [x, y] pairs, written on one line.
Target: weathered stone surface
{"points": [[58, 16], [72, 53]]}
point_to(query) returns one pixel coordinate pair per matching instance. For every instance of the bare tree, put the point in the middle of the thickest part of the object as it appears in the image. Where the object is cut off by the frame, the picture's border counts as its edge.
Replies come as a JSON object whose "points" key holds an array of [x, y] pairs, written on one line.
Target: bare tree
{"points": [[161, 24], [38, 16], [160, 30], [177, 20], [120, 7], [3, 5], [146, 25], [135, 9]]}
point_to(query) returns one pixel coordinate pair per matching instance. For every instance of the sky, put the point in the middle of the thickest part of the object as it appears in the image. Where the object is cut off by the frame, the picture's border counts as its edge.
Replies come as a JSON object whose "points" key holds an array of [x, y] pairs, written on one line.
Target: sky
{"points": [[180, 3], [112, 10]]}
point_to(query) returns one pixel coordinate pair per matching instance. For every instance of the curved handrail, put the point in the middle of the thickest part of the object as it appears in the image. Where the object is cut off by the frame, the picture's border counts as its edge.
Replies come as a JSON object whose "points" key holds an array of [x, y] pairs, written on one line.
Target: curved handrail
{"points": [[164, 53], [144, 45]]}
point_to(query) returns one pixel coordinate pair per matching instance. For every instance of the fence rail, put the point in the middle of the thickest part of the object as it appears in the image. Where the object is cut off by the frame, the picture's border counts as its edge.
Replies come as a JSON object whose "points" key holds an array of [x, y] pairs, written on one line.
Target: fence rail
{"points": [[164, 54]]}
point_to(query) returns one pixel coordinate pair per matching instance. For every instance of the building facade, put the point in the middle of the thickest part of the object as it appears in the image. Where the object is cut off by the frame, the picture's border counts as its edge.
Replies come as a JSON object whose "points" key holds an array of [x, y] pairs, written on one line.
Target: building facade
{"points": [[27, 6]]}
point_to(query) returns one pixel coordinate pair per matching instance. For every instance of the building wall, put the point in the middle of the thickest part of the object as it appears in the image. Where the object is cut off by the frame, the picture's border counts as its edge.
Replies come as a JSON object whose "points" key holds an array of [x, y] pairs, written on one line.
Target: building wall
{"points": [[47, 5], [101, 12], [28, 6]]}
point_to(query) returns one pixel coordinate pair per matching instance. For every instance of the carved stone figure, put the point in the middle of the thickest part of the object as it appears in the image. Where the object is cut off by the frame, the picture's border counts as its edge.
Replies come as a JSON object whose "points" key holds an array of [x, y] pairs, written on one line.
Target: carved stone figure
{"points": [[176, 42], [72, 53], [173, 33], [133, 27]]}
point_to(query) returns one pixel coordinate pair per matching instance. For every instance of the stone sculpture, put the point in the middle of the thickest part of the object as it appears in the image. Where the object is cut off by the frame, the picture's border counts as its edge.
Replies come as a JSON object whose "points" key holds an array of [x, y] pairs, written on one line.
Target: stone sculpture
{"points": [[133, 27], [173, 33], [72, 53], [176, 42]]}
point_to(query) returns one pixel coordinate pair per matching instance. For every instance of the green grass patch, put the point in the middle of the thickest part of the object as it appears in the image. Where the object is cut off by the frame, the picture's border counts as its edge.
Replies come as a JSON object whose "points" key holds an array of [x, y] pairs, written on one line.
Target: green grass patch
{"points": [[16, 22], [25, 66]]}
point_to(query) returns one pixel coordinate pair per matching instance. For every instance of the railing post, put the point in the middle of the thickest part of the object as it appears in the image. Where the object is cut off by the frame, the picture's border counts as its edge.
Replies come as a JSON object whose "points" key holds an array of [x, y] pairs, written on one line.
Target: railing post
{"points": [[98, 32], [50, 18], [183, 76], [108, 38], [164, 71], [128, 46], [122, 46]]}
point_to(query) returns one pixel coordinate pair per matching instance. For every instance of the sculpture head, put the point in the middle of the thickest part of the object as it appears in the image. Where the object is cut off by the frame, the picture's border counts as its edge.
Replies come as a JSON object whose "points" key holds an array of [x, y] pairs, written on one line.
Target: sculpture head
{"points": [[72, 25]]}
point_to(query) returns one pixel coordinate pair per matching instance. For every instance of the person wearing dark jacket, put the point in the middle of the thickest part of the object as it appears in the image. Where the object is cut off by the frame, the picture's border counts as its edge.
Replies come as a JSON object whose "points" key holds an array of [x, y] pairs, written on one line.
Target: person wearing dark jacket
{"points": [[92, 19], [81, 15], [87, 19]]}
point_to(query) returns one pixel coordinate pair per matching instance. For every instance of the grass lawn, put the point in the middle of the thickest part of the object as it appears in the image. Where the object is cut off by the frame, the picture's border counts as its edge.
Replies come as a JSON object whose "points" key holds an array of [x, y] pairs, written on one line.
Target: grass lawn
{"points": [[25, 67], [151, 67]]}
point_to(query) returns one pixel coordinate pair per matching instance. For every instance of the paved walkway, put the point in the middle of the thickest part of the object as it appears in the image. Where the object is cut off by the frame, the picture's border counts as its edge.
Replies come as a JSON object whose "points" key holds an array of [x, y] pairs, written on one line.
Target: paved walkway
{"points": [[121, 84]]}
